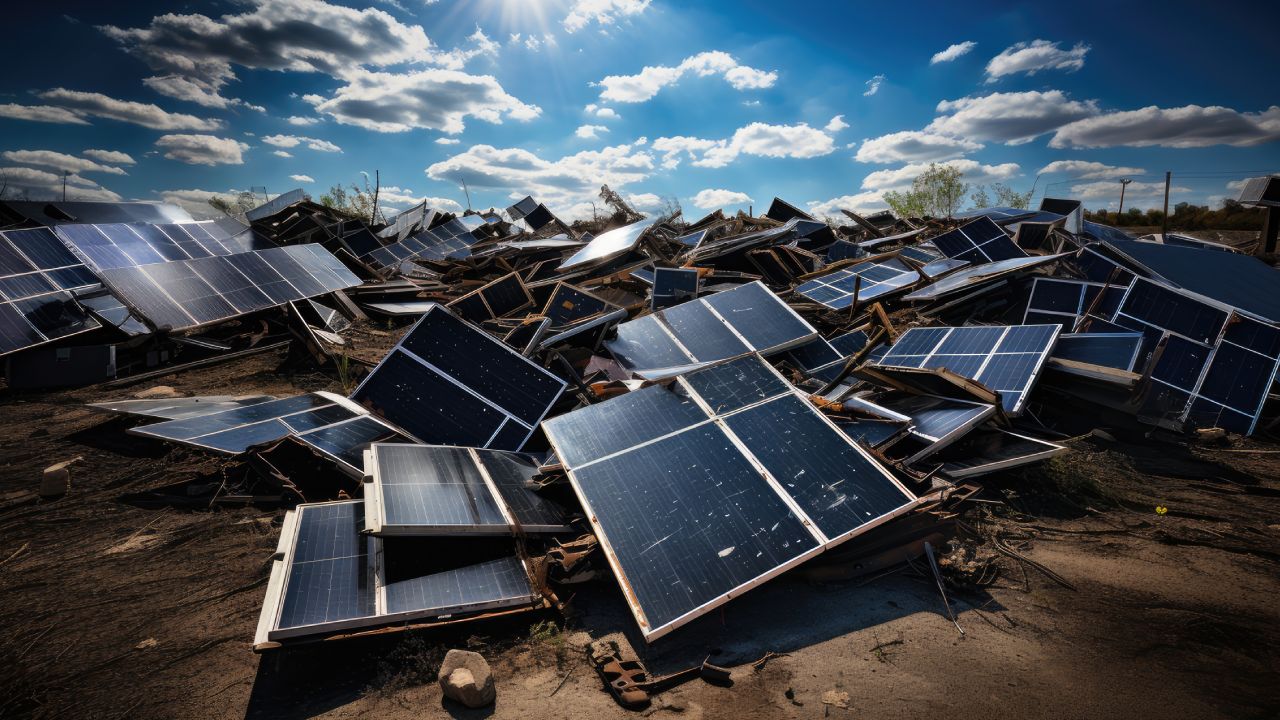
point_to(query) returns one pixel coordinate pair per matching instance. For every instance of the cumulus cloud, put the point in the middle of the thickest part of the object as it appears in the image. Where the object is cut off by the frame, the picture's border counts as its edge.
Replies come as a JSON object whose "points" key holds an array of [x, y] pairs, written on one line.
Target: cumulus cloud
{"points": [[761, 139], [433, 99], [188, 90], [573, 179], [282, 153], [710, 199], [1035, 56], [114, 157], [1088, 170], [914, 146], [1012, 118], [608, 113], [864, 202], [602, 12], [873, 85], [447, 141], [202, 149], [90, 104], [41, 185], [589, 132], [953, 52], [1182, 127], [60, 161], [41, 113], [1104, 190], [651, 79], [645, 202], [406, 197], [299, 120], [292, 141], [302, 178], [836, 124], [974, 172]]}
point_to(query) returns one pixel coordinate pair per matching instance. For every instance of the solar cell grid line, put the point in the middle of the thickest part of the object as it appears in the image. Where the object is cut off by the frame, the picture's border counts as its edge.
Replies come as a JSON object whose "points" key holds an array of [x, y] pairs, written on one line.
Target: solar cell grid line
{"points": [[39, 250], [978, 241], [345, 442], [329, 571], [426, 490]]}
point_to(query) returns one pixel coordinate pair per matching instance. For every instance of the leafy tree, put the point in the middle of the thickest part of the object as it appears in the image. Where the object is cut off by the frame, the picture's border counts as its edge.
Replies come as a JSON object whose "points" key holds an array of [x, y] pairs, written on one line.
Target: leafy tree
{"points": [[980, 198], [1008, 197], [353, 201], [936, 192]]}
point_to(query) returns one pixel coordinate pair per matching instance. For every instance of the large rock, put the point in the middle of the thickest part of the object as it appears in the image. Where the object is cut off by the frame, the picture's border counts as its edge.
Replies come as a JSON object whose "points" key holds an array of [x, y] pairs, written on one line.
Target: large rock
{"points": [[465, 677]]}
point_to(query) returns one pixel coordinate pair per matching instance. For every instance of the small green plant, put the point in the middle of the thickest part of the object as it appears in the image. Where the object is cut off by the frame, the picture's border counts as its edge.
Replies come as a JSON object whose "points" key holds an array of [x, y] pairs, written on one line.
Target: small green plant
{"points": [[343, 365]]}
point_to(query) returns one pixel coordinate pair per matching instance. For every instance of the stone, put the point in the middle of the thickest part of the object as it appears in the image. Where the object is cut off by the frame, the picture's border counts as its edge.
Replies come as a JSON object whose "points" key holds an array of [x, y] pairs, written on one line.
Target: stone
{"points": [[56, 480], [157, 392], [466, 678]]}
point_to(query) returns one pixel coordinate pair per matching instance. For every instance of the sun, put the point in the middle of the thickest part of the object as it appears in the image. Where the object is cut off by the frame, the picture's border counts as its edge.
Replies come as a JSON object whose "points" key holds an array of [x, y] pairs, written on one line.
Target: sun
{"points": [[527, 17]]}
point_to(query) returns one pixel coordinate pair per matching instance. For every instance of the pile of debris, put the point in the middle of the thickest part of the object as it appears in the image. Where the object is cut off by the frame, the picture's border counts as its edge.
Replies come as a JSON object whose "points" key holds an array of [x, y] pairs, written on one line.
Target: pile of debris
{"points": [[697, 407]]}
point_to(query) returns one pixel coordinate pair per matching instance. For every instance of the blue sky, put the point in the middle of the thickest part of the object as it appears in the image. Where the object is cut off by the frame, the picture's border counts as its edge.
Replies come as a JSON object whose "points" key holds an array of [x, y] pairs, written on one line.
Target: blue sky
{"points": [[718, 104]]}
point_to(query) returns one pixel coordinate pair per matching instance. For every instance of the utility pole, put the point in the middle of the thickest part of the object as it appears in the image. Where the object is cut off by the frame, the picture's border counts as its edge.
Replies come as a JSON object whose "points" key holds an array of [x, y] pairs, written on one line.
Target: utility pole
{"points": [[64, 186], [1164, 221], [1124, 182]]}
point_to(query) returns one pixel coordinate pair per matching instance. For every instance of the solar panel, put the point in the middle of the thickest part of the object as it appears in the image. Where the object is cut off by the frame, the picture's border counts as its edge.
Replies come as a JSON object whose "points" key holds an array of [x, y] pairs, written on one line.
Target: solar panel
{"points": [[672, 286], [569, 312], [1113, 350], [1066, 302], [705, 488], [331, 576], [979, 241], [1006, 359], [609, 244], [447, 382], [986, 451], [871, 280], [276, 204], [178, 408], [233, 431], [937, 422], [978, 275], [445, 490], [747, 318], [36, 271], [502, 297]]}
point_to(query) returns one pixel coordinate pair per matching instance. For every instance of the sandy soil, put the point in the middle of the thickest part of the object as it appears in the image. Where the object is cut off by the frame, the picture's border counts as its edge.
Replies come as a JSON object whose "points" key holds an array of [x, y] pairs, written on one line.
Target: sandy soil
{"points": [[110, 610]]}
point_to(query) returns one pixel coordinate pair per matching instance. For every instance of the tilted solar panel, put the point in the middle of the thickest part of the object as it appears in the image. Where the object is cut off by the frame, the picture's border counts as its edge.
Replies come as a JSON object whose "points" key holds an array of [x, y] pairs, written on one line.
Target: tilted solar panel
{"points": [[979, 241]]}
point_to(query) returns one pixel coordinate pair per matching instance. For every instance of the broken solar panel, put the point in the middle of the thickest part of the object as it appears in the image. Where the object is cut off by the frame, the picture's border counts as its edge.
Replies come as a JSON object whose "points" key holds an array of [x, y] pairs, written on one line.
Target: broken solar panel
{"points": [[329, 576], [747, 318], [444, 490], [500, 298], [704, 488], [936, 422], [978, 275], [276, 204], [672, 286], [235, 430], [36, 273], [869, 281], [609, 244], [1066, 302], [1006, 359], [1113, 350], [447, 382], [569, 312], [534, 213], [986, 451], [110, 312], [978, 241], [177, 408]]}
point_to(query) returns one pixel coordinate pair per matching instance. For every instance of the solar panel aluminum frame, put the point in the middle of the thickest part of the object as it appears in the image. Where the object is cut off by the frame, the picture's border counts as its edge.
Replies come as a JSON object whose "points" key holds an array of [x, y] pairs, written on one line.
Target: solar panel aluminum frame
{"points": [[269, 635], [484, 299], [1049, 450], [345, 467], [936, 444], [1129, 367], [824, 543]]}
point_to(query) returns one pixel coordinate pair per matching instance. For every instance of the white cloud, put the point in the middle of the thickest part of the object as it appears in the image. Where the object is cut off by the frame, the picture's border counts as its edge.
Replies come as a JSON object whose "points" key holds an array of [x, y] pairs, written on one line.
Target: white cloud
{"points": [[447, 141], [282, 153], [406, 197], [572, 179], [432, 99], [292, 141], [873, 85], [953, 52], [710, 199], [41, 113], [1105, 190], [202, 149], [1035, 56], [188, 90], [302, 178], [608, 113], [836, 124], [144, 114], [644, 202], [42, 185], [1012, 118], [864, 202], [974, 172], [196, 201], [602, 12], [1088, 170], [1183, 127], [588, 132], [761, 139], [115, 157], [299, 120], [60, 161], [913, 146], [651, 79]]}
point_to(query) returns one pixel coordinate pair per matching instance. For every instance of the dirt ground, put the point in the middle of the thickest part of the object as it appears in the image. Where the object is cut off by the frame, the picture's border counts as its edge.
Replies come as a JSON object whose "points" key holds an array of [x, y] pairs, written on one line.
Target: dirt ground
{"points": [[111, 610]]}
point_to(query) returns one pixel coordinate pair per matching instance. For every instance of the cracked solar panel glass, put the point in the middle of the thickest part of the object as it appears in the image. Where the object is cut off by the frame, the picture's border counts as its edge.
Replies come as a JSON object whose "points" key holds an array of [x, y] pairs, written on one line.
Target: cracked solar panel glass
{"points": [[1066, 302], [496, 583], [1005, 359], [609, 244], [433, 488], [761, 318], [700, 523], [979, 241], [112, 313], [632, 419], [871, 280], [328, 577], [729, 386], [33, 308], [512, 477], [448, 382], [672, 286], [346, 441], [646, 343], [978, 275], [1113, 350]]}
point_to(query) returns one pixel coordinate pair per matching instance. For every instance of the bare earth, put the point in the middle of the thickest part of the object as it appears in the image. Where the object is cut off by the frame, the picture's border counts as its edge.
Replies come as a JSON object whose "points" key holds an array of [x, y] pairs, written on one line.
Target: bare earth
{"points": [[110, 610]]}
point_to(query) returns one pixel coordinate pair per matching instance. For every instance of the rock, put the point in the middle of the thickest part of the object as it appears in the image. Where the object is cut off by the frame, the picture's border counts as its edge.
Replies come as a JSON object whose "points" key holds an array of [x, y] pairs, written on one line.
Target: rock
{"points": [[836, 698], [466, 678], [159, 391], [56, 481]]}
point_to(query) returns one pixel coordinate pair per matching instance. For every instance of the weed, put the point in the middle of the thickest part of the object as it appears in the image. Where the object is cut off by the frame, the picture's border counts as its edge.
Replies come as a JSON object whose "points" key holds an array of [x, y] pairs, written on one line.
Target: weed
{"points": [[412, 662], [345, 378]]}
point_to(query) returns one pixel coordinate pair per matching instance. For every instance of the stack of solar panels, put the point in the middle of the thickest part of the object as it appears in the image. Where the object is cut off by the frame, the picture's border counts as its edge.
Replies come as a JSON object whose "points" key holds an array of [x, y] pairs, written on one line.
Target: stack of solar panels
{"points": [[569, 312], [185, 276], [748, 318], [742, 479], [37, 275]]}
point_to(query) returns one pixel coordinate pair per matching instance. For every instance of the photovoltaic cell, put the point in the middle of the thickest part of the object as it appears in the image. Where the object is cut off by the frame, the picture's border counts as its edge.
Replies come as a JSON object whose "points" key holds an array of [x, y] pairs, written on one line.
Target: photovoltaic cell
{"points": [[979, 241], [609, 244], [872, 280], [1113, 350], [672, 286], [1066, 302], [35, 271]]}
